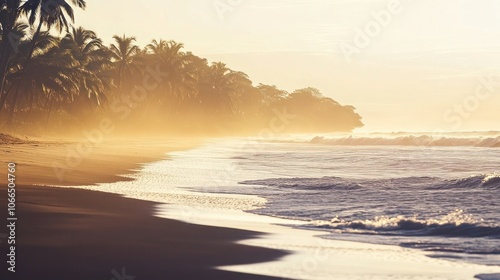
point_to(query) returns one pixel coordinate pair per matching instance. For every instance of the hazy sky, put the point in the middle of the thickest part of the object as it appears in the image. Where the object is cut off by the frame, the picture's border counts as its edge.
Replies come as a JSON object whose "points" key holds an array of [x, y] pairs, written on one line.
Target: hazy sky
{"points": [[423, 65]]}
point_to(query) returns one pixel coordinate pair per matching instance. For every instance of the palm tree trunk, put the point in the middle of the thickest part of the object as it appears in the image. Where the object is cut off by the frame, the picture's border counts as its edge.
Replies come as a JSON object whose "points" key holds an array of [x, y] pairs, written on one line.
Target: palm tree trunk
{"points": [[3, 99], [50, 111], [4, 64], [12, 109], [6, 51], [120, 77], [23, 73]]}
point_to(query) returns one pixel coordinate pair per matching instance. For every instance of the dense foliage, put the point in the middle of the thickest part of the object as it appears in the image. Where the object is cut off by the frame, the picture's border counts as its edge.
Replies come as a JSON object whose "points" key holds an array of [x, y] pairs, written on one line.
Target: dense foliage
{"points": [[55, 75]]}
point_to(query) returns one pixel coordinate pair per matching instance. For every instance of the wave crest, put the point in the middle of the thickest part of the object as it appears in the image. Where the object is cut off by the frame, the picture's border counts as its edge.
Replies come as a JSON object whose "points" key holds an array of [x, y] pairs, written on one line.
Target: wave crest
{"points": [[455, 224], [483, 181], [318, 184], [410, 140]]}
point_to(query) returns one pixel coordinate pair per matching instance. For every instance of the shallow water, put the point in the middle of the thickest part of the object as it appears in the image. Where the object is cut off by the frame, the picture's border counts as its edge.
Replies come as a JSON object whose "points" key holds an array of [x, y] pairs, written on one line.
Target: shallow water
{"points": [[442, 199]]}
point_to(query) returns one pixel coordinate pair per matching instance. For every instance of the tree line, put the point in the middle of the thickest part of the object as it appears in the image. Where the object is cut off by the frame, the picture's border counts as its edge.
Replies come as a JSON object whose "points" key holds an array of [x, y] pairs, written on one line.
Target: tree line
{"points": [[54, 75]]}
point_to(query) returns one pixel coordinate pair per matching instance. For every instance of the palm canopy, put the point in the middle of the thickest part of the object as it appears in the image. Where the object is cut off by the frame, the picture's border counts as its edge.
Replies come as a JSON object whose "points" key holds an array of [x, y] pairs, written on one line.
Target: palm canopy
{"points": [[53, 74], [220, 85], [124, 54], [52, 13], [9, 12], [16, 34], [84, 44], [44, 43], [224, 80], [92, 57], [157, 46], [124, 50]]}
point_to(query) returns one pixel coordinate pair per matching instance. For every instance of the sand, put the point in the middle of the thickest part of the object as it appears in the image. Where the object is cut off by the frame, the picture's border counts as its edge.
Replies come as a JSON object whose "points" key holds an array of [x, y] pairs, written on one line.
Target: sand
{"points": [[79, 234], [83, 162]]}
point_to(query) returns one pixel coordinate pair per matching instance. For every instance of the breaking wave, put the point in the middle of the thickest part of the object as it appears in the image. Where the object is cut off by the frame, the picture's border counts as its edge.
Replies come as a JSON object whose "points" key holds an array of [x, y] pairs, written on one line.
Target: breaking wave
{"points": [[488, 181], [483, 181], [411, 140], [455, 224]]}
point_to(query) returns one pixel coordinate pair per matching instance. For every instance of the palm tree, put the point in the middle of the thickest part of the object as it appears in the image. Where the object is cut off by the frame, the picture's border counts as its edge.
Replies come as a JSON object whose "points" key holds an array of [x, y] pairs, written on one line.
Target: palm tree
{"points": [[271, 94], [218, 87], [124, 55], [8, 20], [182, 70], [93, 59], [18, 31], [53, 72], [157, 46], [181, 76], [84, 44], [51, 13], [55, 75]]}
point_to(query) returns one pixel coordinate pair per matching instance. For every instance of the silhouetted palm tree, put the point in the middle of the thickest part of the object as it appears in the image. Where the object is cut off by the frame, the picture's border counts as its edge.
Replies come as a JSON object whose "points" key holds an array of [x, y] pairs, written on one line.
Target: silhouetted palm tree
{"points": [[8, 18], [93, 59], [75, 74], [83, 43], [181, 76], [124, 54], [19, 31], [219, 85], [53, 72], [51, 13], [157, 46]]}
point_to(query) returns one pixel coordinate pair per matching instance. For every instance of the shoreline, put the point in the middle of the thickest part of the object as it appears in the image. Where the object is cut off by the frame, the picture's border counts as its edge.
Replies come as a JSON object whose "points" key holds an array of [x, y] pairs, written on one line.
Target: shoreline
{"points": [[311, 257], [74, 163], [293, 253], [316, 258], [80, 234], [70, 233]]}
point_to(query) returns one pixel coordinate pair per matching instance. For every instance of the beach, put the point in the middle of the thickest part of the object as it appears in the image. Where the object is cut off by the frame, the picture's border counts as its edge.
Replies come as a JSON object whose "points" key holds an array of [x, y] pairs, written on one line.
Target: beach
{"points": [[163, 230], [214, 140], [78, 234]]}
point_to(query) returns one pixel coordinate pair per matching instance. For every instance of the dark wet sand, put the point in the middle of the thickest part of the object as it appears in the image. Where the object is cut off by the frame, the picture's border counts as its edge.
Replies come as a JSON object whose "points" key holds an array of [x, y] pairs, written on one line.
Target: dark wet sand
{"points": [[74, 234]]}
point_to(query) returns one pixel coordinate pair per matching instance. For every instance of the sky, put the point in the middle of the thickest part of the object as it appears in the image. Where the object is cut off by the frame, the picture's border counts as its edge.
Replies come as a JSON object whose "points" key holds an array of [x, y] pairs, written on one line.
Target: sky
{"points": [[406, 65]]}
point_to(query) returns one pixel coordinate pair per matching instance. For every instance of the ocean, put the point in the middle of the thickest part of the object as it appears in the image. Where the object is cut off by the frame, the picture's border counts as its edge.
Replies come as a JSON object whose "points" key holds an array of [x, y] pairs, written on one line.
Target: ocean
{"points": [[433, 192], [438, 193]]}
